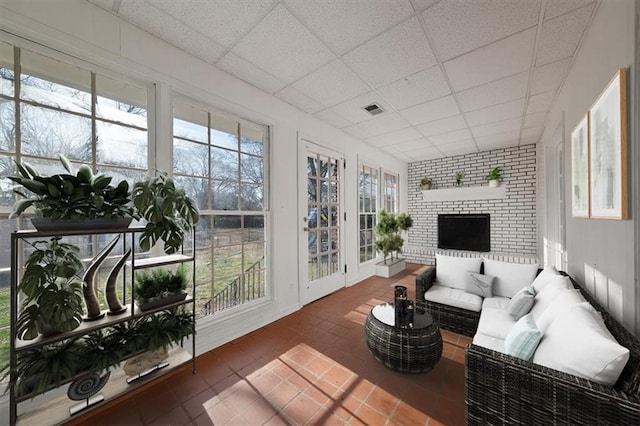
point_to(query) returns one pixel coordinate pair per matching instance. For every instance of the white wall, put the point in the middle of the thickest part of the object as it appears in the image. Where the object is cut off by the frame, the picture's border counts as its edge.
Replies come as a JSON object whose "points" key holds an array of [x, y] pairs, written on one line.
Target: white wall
{"points": [[601, 254], [80, 29]]}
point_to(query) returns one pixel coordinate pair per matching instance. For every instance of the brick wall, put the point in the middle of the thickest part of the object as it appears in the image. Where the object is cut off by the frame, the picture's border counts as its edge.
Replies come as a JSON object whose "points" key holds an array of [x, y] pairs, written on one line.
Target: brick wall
{"points": [[513, 219]]}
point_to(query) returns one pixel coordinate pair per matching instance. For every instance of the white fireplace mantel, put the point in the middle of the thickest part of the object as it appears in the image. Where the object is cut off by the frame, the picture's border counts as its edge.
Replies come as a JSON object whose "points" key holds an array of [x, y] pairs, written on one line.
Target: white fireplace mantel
{"points": [[465, 193]]}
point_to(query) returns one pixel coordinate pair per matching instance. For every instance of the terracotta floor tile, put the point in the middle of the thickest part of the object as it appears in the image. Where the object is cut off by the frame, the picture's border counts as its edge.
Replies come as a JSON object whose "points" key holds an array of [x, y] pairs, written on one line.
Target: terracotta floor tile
{"points": [[368, 416], [382, 401], [195, 406], [301, 409], [281, 395], [312, 367]]}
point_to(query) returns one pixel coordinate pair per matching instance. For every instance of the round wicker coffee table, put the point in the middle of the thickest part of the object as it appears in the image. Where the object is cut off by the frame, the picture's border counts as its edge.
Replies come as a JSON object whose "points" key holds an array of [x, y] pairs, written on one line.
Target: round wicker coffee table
{"points": [[406, 350]]}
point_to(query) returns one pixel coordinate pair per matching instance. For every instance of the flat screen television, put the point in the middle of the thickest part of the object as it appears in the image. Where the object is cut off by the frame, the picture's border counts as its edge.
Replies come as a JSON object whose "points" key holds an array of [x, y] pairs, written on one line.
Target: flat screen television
{"points": [[464, 232]]}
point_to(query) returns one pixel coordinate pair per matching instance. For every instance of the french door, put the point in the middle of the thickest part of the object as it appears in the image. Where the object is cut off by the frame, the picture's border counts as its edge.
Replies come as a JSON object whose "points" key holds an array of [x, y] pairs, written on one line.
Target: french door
{"points": [[321, 238]]}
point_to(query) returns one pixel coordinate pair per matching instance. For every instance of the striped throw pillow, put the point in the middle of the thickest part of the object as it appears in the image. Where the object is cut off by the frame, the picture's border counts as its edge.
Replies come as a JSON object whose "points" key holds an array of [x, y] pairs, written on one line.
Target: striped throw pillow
{"points": [[523, 338]]}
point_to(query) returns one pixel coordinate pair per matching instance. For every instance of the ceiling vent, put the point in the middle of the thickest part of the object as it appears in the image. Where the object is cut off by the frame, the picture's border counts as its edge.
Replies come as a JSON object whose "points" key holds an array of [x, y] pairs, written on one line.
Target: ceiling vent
{"points": [[374, 109]]}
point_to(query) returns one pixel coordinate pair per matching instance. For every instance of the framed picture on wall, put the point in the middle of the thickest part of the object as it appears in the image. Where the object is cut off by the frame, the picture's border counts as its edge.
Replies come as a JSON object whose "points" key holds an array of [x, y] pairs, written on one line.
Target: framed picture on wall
{"points": [[608, 151], [580, 169]]}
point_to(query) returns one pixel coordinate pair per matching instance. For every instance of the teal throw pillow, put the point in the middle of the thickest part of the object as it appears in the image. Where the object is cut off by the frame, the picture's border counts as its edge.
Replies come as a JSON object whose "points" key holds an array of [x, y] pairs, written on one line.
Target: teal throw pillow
{"points": [[523, 339]]}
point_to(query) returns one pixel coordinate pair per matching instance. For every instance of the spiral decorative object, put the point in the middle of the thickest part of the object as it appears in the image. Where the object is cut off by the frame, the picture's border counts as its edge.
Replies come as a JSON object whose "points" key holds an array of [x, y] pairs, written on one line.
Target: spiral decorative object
{"points": [[89, 287], [87, 385], [115, 307]]}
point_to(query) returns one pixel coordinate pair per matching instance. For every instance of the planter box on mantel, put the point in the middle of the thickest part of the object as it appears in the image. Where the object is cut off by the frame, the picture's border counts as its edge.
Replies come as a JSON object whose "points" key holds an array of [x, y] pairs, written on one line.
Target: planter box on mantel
{"points": [[465, 193], [390, 269]]}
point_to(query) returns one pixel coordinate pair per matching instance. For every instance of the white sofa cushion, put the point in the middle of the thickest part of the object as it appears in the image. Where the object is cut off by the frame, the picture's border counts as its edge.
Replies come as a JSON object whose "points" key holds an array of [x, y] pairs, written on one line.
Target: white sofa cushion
{"points": [[544, 277], [523, 339], [577, 342], [546, 296], [510, 277], [495, 322], [479, 284], [560, 303], [489, 342], [453, 297], [452, 271], [496, 303]]}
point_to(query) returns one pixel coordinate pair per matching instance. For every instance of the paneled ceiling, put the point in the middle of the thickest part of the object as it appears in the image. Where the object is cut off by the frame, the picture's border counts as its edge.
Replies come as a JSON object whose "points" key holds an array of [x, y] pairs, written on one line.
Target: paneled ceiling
{"points": [[452, 76]]}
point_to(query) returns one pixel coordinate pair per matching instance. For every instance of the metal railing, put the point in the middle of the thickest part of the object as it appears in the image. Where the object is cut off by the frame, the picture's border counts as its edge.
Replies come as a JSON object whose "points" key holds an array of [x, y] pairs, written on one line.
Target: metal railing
{"points": [[248, 286]]}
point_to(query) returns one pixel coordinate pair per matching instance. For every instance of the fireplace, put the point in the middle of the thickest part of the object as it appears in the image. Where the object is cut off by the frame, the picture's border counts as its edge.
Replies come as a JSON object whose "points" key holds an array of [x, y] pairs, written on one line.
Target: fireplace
{"points": [[464, 232]]}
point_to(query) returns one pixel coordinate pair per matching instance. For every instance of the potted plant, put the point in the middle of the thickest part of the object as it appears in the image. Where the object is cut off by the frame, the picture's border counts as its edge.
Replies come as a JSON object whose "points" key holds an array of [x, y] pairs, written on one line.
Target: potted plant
{"points": [[53, 297], [425, 183], [160, 287], [494, 177], [75, 197], [389, 241], [169, 212], [457, 179]]}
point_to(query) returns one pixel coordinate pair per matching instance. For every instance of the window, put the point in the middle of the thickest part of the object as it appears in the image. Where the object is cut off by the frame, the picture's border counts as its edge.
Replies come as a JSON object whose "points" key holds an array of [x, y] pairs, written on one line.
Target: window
{"points": [[368, 194], [48, 107], [390, 192], [221, 162]]}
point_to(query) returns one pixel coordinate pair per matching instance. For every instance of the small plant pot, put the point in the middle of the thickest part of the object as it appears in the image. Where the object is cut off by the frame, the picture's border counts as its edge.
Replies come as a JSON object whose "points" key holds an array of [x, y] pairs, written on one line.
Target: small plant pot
{"points": [[162, 301], [425, 187], [494, 183]]}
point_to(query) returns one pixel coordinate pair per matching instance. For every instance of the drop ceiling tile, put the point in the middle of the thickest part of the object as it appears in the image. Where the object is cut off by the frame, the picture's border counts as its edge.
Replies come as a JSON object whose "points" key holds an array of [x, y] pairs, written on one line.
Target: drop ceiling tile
{"points": [[497, 127], [415, 144], [534, 120], [444, 125], [558, 7], [235, 65], [502, 140], [560, 36], [394, 137], [548, 77], [496, 92], [430, 111], [415, 89], [540, 102], [498, 60], [343, 25], [335, 120], [425, 155], [455, 148], [403, 157], [389, 149], [495, 113], [457, 27], [423, 4], [529, 140], [332, 84], [356, 131], [533, 133], [446, 138], [382, 124], [298, 99], [166, 27], [353, 109], [105, 4], [225, 22], [283, 47], [395, 54]]}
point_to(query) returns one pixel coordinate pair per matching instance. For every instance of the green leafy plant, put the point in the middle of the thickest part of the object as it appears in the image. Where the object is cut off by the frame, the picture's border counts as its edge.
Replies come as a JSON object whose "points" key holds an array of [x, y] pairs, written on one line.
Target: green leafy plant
{"points": [[169, 212], [495, 174], [52, 290], [72, 196], [40, 369], [159, 283], [388, 228], [458, 176], [426, 183]]}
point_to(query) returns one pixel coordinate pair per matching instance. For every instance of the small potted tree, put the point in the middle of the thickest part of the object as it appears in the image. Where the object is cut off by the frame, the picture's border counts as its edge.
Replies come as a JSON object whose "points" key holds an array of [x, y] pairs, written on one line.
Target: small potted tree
{"points": [[494, 177], [457, 179], [389, 242]]}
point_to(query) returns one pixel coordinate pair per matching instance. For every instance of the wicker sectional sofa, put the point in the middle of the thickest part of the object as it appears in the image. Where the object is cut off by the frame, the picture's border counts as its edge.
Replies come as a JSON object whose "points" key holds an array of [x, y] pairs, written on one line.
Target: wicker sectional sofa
{"points": [[502, 389]]}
